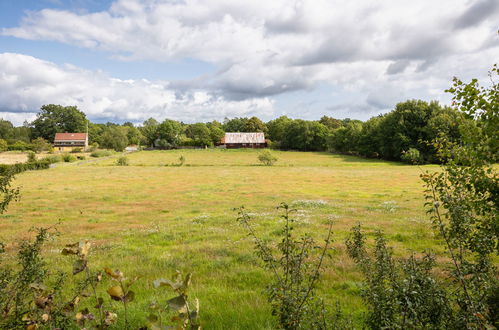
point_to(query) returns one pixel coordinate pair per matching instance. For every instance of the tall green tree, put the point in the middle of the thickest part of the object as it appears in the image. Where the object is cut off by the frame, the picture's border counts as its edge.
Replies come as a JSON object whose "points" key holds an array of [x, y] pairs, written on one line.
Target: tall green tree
{"points": [[305, 135], [216, 131], [54, 118], [277, 128], [114, 137], [169, 133], [6, 129], [149, 130], [200, 133]]}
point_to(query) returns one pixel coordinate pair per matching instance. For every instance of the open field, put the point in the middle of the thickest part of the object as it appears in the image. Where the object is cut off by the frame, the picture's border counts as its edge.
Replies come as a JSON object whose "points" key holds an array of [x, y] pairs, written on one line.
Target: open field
{"points": [[149, 219], [13, 157]]}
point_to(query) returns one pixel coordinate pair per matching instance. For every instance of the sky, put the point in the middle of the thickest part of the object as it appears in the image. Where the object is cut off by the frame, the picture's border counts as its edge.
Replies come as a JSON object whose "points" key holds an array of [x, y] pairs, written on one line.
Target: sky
{"points": [[203, 60]]}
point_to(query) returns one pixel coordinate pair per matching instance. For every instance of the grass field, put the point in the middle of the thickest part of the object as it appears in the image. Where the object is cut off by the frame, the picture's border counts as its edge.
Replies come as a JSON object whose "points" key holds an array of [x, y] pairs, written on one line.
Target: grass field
{"points": [[149, 219]]}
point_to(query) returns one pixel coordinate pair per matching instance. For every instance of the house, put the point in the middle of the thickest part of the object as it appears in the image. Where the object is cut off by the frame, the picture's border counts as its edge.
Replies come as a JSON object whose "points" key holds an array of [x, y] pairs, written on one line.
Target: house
{"points": [[132, 147], [244, 140], [69, 141]]}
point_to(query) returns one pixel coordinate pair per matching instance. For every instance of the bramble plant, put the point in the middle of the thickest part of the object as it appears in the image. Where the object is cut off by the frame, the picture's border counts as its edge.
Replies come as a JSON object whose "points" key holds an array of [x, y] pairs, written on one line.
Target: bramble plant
{"points": [[267, 158], [294, 273]]}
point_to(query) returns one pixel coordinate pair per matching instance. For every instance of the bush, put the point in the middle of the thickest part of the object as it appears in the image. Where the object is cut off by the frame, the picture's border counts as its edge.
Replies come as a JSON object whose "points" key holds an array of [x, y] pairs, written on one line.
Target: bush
{"points": [[101, 153], [267, 158], [3, 145], [411, 156], [81, 157], [53, 159], [295, 267], [76, 150], [93, 147], [122, 161], [68, 158], [40, 144], [21, 146], [34, 295], [399, 294], [31, 157]]}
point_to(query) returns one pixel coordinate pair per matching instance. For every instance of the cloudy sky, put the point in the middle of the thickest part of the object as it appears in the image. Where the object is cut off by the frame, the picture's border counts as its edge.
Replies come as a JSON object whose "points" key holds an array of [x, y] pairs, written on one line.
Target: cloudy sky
{"points": [[199, 60]]}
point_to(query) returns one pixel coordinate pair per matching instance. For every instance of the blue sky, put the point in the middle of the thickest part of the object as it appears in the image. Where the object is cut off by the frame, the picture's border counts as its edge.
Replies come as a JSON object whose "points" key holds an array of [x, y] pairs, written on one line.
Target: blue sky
{"points": [[203, 60]]}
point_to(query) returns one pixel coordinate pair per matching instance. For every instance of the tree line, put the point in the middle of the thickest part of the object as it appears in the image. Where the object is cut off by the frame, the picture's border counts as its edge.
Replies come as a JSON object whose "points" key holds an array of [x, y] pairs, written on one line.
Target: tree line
{"points": [[401, 134]]}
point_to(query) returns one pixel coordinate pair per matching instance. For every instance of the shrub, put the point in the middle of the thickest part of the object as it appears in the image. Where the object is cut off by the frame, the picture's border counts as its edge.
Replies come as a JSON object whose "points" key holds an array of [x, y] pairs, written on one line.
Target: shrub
{"points": [[101, 153], [68, 158], [181, 160], [400, 294], [21, 146], [411, 156], [33, 295], [31, 157], [81, 157], [267, 158], [295, 268], [3, 145], [93, 147], [40, 144], [122, 161], [76, 150], [53, 159]]}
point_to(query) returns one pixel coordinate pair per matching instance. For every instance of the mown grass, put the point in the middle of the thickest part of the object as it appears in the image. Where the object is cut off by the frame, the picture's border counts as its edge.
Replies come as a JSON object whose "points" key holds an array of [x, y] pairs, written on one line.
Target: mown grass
{"points": [[149, 219]]}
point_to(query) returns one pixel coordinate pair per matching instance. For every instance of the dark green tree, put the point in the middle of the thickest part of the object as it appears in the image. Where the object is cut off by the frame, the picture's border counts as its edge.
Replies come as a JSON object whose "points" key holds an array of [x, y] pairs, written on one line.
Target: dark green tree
{"points": [[114, 138], [169, 133], [216, 131], [330, 122], [277, 128], [149, 130], [200, 134], [305, 135], [54, 118]]}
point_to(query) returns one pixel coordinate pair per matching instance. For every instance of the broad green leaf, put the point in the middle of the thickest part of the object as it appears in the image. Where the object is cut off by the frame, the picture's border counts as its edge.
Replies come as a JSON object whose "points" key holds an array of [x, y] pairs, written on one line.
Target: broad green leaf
{"points": [[116, 292], [130, 295], [79, 266], [178, 304], [152, 318]]}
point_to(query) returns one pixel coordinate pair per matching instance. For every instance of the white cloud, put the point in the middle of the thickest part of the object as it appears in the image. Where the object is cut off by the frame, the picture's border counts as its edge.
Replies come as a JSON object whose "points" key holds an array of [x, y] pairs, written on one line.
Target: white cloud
{"points": [[265, 48], [26, 83]]}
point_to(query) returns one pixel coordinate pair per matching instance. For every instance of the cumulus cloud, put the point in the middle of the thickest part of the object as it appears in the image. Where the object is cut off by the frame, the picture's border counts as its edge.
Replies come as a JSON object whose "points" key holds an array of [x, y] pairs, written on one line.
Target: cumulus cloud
{"points": [[26, 83], [266, 48]]}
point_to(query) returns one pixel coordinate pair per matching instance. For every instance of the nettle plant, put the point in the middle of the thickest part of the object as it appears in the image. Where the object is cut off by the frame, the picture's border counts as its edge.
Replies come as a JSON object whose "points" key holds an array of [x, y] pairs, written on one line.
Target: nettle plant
{"points": [[296, 265]]}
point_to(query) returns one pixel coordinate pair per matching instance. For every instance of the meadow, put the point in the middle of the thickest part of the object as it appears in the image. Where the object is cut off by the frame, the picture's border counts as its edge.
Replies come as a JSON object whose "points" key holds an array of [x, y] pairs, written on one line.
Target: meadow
{"points": [[152, 218]]}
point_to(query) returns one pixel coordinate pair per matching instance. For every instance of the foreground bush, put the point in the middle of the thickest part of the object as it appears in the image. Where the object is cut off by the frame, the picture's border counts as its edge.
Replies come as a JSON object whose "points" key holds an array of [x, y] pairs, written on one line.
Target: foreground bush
{"points": [[33, 295], [400, 294], [295, 267]]}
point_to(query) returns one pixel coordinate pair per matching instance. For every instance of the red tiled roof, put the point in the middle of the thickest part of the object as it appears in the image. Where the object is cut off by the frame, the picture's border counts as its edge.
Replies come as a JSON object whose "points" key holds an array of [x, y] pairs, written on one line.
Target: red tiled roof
{"points": [[70, 136]]}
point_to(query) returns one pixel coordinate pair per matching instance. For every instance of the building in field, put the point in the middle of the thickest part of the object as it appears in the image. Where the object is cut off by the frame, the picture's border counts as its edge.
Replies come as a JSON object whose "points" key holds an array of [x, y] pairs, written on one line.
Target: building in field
{"points": [[70, 141], [243, 140]]}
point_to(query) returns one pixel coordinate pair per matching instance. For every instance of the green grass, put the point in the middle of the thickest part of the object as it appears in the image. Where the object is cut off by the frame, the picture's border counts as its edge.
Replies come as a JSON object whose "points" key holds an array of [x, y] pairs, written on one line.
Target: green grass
{"points": [[148, 219]]}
